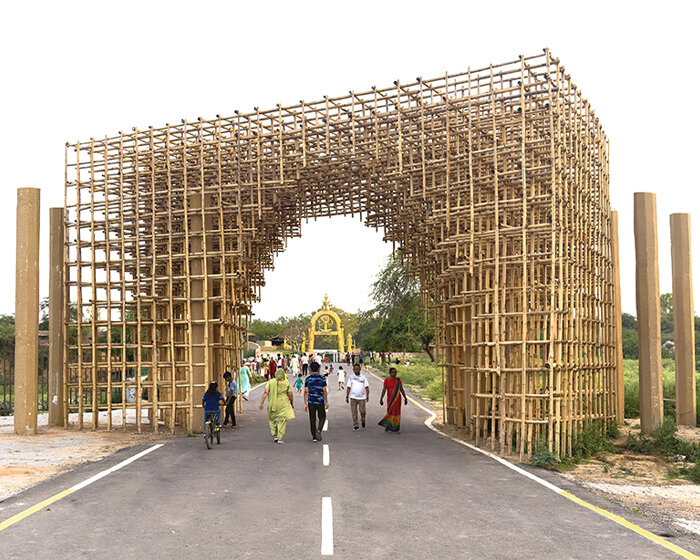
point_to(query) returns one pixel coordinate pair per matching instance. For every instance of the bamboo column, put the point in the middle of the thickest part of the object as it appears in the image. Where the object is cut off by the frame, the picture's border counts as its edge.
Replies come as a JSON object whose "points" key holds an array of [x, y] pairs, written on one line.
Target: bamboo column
{"points": [[683, 320], [619, 370], [648, 312], [56, 308], [27, 311]]}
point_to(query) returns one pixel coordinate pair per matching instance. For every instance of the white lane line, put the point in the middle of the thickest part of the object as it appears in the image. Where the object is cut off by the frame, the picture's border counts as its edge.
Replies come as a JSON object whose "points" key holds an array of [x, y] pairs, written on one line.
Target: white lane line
{"points": [[110, 470], [326, 527], [326, 455], [325, 425], [41, 505]]}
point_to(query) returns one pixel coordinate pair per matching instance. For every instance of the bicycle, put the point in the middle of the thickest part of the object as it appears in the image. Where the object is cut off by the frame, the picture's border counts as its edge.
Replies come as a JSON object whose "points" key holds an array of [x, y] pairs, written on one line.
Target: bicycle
{"points": [[212, 429]]}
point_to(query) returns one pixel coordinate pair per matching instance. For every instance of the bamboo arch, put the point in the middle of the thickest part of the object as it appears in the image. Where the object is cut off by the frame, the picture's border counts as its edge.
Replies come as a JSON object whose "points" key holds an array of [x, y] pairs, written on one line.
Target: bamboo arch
{"points": [[493, 183]]}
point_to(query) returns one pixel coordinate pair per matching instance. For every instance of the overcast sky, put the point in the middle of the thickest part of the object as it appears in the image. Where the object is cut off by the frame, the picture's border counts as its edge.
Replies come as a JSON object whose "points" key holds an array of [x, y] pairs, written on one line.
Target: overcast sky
{"points": [[75, 70]]}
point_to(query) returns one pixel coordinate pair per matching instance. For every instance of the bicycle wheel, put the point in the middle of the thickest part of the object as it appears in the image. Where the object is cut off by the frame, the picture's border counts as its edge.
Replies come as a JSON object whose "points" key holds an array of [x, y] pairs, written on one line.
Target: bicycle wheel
{"points": [[208, 438]]}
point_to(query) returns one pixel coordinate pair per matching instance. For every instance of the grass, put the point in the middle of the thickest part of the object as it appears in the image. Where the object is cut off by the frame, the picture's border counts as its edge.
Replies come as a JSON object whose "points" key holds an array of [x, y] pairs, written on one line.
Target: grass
{"points": [[668, 377], [423, 374]]}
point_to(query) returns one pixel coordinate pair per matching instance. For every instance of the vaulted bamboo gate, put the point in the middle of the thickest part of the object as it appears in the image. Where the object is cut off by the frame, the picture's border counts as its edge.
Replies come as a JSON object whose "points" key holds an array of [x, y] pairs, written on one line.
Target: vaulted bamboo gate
{"points": [[493, 183]]}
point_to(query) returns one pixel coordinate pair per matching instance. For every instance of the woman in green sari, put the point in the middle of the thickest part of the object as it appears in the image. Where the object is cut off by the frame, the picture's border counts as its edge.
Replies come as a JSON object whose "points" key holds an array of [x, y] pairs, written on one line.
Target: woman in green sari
{"points": [[280, 404]]}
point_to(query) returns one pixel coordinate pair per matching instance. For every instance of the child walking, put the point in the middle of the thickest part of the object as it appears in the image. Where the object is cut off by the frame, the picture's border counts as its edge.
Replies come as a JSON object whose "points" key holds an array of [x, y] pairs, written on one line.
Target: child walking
{"points": [[341, 378], [299, 383]]}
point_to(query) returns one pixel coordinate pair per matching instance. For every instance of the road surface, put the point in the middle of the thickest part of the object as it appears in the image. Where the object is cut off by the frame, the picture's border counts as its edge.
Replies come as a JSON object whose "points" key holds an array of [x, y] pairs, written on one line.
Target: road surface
{"points": [[413, 495]]}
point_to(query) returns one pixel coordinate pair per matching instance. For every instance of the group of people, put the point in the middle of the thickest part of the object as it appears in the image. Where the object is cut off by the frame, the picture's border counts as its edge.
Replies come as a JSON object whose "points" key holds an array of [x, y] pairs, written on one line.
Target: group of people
{"points": [[280, 398], [311, 384]]}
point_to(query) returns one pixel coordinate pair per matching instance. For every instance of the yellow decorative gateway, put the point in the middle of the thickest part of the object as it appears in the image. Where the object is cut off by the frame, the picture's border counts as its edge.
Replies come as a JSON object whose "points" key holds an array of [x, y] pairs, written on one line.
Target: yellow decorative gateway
{"points": [[326, 322]]}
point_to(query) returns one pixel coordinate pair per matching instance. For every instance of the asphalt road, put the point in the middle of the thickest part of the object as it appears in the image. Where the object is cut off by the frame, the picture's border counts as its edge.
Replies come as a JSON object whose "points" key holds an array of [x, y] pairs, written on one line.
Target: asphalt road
{"points": [[413, 495]]}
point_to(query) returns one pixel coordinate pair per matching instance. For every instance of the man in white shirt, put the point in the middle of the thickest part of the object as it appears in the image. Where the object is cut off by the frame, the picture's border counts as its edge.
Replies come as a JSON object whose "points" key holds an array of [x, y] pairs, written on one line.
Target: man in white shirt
{"points": [[357, 394], [305, 365]]}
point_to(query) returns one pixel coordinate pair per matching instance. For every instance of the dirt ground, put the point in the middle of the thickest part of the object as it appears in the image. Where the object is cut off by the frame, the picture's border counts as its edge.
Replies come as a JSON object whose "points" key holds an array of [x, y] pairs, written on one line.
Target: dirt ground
{"points": [[27, 460]]}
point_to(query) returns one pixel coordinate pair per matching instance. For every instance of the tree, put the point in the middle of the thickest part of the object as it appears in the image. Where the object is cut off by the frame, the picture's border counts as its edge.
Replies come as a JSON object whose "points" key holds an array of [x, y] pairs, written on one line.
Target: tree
{"points": [[399, 322]]}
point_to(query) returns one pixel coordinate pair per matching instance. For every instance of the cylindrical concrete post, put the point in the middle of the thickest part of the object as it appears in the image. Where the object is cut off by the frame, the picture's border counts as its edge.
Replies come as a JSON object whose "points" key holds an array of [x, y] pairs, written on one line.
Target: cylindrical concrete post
{"points": [[56, 312], [648, 312], [683, 320], [619, 370], [27, 311]]}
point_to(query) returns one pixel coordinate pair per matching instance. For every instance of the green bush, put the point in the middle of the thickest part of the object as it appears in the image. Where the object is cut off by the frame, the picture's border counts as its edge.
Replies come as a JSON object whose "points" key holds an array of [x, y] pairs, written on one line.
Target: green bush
{"points": [[593, 439], [545, 459], [664, 441], [694, 473]]}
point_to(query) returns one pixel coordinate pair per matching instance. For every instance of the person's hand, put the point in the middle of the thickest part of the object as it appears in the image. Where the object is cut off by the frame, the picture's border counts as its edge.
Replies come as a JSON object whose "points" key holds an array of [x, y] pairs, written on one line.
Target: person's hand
{"points": [[347, 399], [306, 408], [405, 401], [261, 405], [381, 402], [326, 406]]}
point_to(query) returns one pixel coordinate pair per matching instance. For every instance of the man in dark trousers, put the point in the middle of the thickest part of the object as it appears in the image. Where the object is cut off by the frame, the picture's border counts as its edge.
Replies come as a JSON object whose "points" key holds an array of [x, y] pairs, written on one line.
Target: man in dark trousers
{"points": [[316, 400], [230, 395]]}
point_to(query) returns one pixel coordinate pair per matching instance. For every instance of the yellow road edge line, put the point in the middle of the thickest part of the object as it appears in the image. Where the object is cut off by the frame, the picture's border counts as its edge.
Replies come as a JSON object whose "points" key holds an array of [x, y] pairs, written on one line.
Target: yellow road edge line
{"points": [[41, 505], [29, 511], [632, 527], [616, 518]]}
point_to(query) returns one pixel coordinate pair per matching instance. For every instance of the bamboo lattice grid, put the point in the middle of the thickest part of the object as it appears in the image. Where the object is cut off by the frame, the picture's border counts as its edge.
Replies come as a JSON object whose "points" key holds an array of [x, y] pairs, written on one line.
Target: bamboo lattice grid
{"points": [[493, 183]]}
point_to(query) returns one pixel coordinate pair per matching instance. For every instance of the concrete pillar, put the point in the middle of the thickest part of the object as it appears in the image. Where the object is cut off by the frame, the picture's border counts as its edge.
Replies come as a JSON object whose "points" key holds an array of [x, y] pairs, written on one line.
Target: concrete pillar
{"points": [[27, 311], [56, 313], [619, 370], [683, 320], [651, 407]]}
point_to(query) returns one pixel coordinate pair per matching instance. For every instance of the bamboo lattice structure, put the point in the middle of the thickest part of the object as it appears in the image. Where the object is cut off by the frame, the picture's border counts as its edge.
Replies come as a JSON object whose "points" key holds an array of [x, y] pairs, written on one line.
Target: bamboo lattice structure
{"points": [[493, 183]]}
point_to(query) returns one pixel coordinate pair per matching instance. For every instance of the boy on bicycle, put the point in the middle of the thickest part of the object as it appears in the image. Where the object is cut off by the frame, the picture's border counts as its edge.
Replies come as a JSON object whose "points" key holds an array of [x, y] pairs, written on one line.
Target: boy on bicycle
{"points": [[210, 402]]}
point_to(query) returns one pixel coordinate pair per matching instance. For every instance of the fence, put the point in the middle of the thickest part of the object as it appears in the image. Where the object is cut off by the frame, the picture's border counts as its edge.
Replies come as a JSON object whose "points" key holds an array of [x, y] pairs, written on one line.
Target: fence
{"points": [[7, 384]]}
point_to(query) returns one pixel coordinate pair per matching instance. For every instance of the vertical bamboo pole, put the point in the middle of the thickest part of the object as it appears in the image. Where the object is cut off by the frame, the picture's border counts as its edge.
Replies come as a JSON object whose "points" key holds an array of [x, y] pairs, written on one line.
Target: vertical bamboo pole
{"points": [[619, 370], [27, 311], [683, 320], [56, 308], [648, 312]]}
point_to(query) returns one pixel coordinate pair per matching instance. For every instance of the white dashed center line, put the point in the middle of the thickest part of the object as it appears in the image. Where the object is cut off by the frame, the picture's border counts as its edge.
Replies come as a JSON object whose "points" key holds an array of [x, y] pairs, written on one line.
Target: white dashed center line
{"points": [[325, 425], [326, 455], [326, 527]]}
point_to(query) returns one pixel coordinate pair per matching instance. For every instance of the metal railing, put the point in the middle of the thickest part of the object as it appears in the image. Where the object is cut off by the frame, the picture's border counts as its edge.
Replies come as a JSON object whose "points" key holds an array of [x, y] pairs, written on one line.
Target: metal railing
{"points": [[7, 384]]}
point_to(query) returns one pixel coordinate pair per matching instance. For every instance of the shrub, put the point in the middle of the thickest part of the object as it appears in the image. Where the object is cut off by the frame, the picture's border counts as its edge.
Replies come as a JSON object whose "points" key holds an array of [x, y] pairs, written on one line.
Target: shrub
{"points": [[664, 441], [593, 439], [694, 473], [545, 459]]}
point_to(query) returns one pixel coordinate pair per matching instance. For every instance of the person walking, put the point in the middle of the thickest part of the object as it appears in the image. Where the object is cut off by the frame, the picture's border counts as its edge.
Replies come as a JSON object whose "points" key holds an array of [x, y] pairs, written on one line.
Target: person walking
{"points": [[394, 388], [305, 365], [316, 401], [280, 405], [295, 365], [245, 377], [271, 369], [230, 394], [357, 394], [341, 378], [347, 358]]}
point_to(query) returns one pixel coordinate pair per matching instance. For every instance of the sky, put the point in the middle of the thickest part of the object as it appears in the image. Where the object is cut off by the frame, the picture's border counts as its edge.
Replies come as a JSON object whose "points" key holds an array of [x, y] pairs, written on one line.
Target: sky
{"points": [[76, 70]]}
